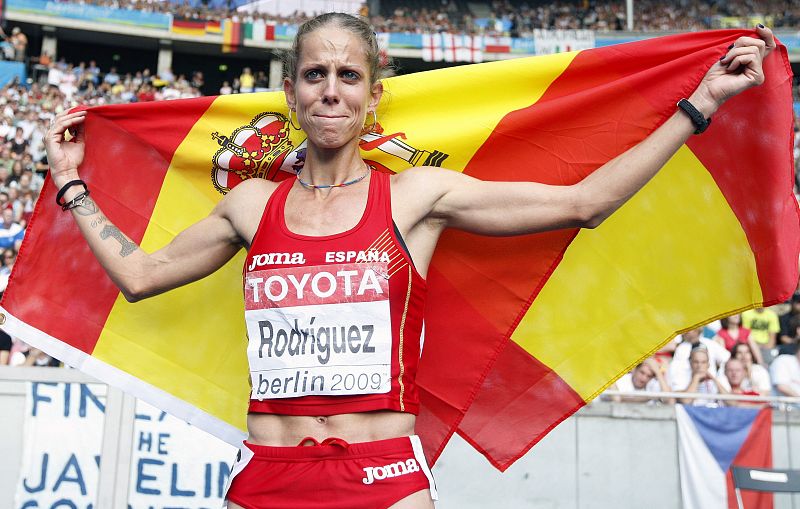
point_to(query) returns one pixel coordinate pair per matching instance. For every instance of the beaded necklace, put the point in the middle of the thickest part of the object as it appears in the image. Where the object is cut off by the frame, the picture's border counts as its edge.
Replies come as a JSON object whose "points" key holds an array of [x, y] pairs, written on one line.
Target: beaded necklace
{"points": [[356, 180]]}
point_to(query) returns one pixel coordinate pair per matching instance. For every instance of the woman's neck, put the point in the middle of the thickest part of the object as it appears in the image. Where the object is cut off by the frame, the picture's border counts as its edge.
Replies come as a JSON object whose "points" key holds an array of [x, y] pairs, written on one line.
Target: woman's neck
{"points": [[324, 167]]}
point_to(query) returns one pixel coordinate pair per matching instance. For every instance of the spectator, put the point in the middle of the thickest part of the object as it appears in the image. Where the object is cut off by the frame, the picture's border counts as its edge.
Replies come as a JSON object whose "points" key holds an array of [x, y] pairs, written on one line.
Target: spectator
{"points": [[9, 257], [246, 81], [680, 369], [647, 376], [785, 373], [225, 89], [111, 77], [787, 333], [5, 348], [262, 82], [146, 93], [18, 144], [54, 75], [764, 326], [168, 75], [735, 381], [11, 232], [702, 379], [93, 72], [19, 42], [757, 375], [731, 333]]}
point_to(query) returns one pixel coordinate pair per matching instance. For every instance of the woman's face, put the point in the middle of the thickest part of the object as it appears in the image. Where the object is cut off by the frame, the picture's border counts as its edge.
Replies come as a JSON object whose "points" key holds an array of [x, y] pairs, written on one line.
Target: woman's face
{"points": [[744, 355], [735, 320], [699, 362], [332, 92]]}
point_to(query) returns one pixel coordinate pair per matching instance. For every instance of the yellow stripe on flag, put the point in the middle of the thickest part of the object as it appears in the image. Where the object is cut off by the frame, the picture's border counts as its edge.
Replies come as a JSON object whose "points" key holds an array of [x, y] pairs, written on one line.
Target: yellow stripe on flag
{"points": [[674, 254], [428, 107]]}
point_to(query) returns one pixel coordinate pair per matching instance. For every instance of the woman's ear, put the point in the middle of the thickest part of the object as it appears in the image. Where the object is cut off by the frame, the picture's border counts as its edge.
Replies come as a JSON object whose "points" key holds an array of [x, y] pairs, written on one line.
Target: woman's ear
{"points": [[288, 90], [375, 95]]}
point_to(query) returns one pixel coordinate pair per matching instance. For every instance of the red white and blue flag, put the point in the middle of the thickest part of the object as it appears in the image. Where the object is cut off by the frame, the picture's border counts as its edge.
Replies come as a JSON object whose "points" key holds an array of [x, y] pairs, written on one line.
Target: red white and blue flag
{"points": [[713, 439]]}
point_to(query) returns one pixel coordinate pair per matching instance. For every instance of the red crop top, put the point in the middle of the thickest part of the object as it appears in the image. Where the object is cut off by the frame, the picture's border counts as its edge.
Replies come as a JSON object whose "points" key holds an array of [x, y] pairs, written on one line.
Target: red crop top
{"points": [[334, 323]]}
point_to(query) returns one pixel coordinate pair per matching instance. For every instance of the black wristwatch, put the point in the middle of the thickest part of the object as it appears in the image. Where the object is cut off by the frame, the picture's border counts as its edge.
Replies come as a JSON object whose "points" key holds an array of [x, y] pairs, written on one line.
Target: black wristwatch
{"points": [[700, 122]]}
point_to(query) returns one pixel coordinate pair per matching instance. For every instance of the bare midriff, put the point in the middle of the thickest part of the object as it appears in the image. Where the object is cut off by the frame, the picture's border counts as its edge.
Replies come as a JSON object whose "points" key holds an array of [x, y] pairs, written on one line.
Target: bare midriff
{"points": [[291, 430]]}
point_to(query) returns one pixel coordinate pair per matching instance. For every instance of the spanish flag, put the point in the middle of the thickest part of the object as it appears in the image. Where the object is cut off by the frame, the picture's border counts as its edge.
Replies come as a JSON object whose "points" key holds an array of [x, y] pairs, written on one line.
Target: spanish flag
{"points": [[520, 332]]}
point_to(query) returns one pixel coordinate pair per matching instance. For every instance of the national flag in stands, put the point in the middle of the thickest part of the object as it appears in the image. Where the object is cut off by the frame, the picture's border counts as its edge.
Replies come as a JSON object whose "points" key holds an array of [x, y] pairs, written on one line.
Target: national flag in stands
{"points": [[520, 331], [188, 26], [711, 440], [260, 30], [494, 44], [214, 27], [450, 46], [470, 49], [232, 36], [432, 48]]}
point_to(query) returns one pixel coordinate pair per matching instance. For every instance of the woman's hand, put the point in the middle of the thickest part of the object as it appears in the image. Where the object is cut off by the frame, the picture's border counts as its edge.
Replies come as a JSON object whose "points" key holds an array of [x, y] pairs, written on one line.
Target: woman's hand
{"points": [[739, 69], [64, 156]]}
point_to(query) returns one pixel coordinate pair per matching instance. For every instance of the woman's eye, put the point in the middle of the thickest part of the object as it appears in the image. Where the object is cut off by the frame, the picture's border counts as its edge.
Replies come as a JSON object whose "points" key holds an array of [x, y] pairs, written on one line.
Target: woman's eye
{"points": [[313, 74], [350, 75]]}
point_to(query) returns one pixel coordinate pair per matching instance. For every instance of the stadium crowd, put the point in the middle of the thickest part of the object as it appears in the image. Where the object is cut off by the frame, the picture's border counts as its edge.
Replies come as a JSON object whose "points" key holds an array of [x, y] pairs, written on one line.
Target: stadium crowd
{"points": [[755, 353], [511, 18]]}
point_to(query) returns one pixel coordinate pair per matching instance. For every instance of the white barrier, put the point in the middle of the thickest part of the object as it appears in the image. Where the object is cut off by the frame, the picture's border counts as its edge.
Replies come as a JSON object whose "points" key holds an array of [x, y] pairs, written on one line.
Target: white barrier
{"points": [[590, 460]]}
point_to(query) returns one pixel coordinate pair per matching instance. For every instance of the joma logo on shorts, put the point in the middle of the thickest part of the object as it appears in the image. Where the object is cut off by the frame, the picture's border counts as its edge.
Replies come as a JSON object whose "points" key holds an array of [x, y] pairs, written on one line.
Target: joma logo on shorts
{"points": [[387, 471], [276, 259]]}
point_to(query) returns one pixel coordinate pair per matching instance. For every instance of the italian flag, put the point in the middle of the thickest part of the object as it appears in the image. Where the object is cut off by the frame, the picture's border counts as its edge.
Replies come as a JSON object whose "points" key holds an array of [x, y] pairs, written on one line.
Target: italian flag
{"points": [[520, 332]]}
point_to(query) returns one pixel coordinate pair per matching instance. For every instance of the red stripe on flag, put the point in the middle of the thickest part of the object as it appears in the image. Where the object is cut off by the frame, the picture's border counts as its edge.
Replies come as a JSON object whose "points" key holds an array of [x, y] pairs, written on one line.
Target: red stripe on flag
{"points": [[269, 33], [490, 48], [143, 142], [448, 369], [756, 451], [519, 388], [763, 220]]}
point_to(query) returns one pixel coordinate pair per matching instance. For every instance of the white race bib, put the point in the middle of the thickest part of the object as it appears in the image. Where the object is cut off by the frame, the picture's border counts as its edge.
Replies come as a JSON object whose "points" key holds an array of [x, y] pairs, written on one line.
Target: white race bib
{"points": [[321, 330]]}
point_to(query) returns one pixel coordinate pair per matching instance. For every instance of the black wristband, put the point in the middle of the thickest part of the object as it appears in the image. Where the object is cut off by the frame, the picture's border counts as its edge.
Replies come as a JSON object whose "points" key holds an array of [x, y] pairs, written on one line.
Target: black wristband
{"points": [[700, 122], [63, 190], [77, 201]]}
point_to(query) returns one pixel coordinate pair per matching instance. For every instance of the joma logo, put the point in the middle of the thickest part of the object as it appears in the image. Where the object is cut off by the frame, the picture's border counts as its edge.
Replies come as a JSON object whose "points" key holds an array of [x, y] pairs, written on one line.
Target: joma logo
{"points": [[388, 471], [276, 259]]}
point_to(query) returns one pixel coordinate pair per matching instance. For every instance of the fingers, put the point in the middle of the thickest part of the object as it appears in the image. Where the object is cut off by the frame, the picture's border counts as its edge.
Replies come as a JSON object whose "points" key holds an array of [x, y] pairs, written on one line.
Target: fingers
{"points": [[63, 123], [745, 59], [745, 41], [766, 35]]}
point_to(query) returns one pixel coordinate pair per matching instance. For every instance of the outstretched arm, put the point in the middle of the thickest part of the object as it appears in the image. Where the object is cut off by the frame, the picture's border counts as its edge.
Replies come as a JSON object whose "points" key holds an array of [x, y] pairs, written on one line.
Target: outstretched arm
{"points": [[505, 208], [196, 252]]}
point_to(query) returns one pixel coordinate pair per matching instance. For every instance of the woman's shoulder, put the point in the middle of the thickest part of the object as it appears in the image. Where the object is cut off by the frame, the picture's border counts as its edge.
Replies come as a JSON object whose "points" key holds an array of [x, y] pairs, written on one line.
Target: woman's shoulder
{"points": [[244, 204], [251, 189]]}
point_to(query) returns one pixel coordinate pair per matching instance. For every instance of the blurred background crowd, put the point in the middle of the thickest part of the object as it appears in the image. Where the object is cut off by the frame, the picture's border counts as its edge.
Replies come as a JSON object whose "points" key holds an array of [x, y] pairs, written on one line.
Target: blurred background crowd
{"points": [[506, 17]]}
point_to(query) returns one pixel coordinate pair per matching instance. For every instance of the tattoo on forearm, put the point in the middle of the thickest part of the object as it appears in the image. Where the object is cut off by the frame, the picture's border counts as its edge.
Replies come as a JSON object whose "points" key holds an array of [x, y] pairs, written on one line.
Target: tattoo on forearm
{"points": [[87, 208], [97, 222], [128, 247]]}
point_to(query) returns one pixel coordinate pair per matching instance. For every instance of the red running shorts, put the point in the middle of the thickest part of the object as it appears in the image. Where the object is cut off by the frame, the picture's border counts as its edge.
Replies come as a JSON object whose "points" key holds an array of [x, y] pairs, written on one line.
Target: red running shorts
{"points": [[330, 475]]}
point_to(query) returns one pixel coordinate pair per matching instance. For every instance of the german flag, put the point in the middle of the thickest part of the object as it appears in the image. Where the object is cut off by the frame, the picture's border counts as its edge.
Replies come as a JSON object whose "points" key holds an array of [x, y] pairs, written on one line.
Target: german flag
{"points": [[232, 36], [214, 27], [183, 26], [520, 332]]}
